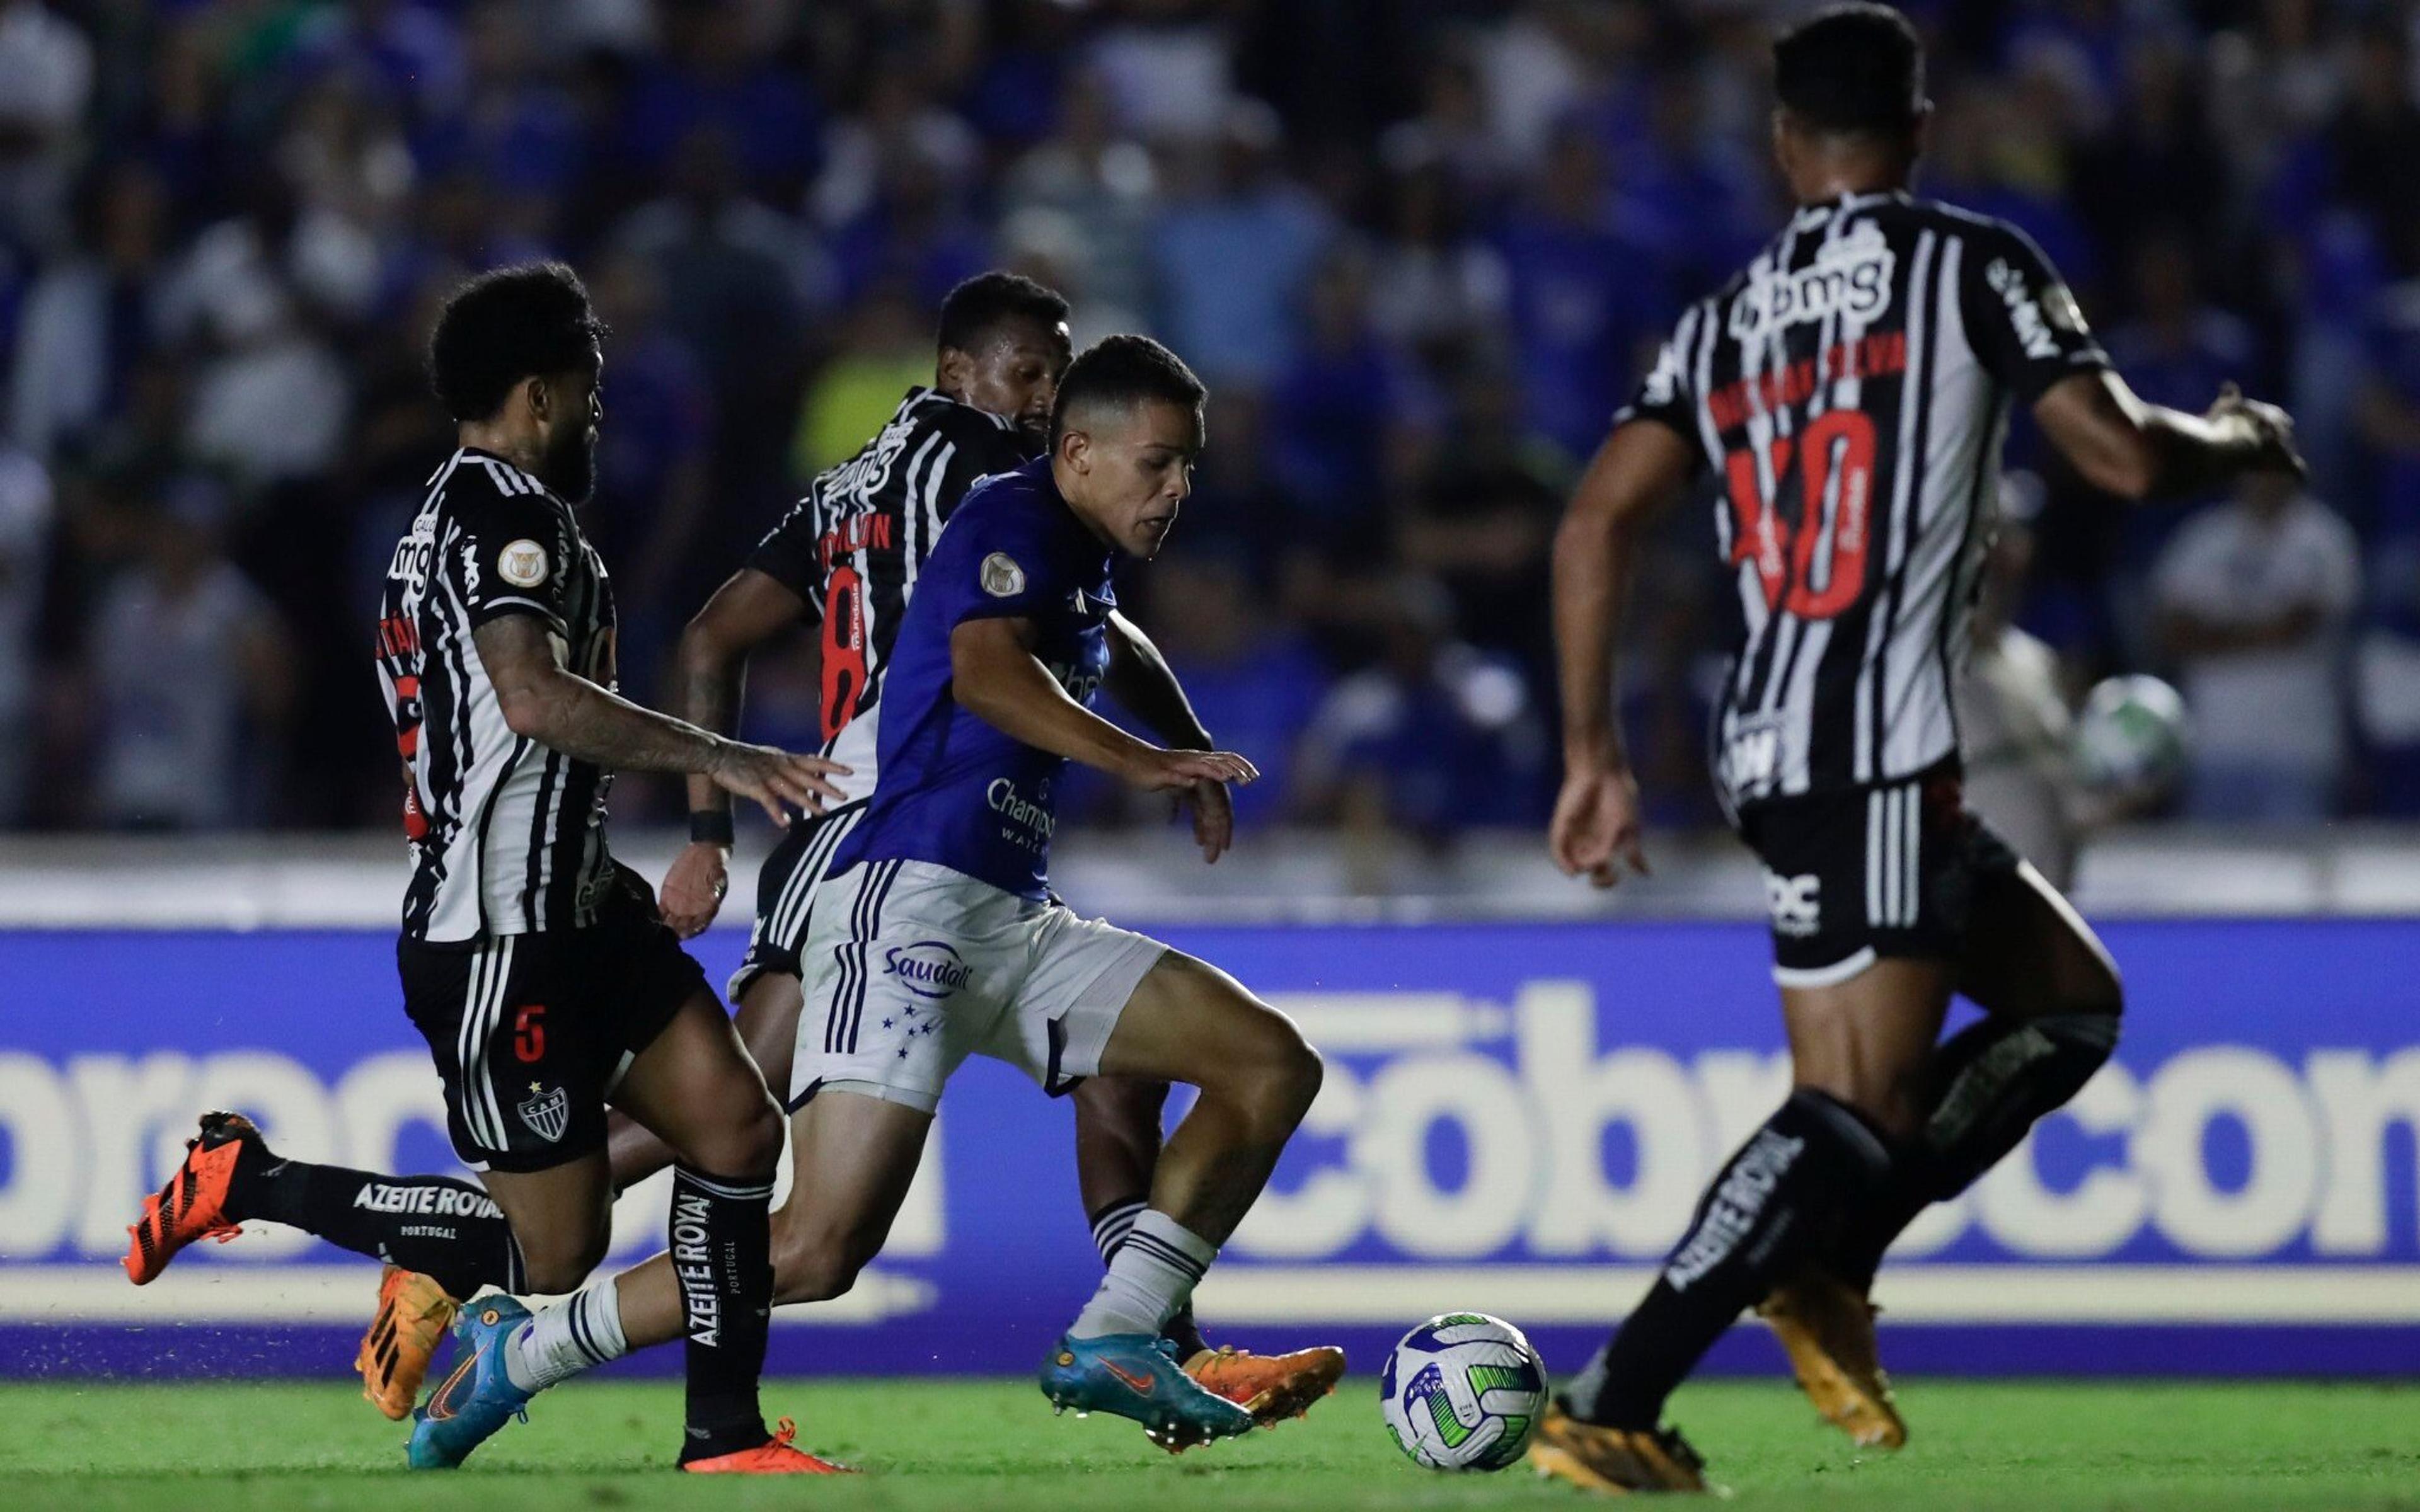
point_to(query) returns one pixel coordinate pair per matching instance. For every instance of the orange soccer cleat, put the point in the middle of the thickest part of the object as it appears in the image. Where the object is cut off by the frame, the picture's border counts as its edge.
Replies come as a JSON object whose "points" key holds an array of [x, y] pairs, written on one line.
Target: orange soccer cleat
{"points": [[414, 1313], [1827, 1329], [774, 1457], [1271, 1387], [193, 1206], [1599, 1458]]}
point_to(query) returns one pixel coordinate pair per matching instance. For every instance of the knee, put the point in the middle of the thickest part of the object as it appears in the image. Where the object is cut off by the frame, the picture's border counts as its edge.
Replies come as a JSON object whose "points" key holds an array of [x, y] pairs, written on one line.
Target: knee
{"points": [[814, 1263], [559, 1262], [1287, 1077], [748, 1146]]}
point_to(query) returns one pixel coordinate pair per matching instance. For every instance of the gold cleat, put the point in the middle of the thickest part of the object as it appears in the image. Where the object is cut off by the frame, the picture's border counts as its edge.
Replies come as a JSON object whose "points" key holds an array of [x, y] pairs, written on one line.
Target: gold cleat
{"points": [[1271, 1387], [1828, 1332], [1615, 1461], [414, 1313]]}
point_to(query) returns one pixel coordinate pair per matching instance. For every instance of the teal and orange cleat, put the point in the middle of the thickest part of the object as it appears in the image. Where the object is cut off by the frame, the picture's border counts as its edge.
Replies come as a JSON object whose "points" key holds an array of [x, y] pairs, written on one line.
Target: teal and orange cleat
{"points": [[479, 1397], [1138, 1376]]}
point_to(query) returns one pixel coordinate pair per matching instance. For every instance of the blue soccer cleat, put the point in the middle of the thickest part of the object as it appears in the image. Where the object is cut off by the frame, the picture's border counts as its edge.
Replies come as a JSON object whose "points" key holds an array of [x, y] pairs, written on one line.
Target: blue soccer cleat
{"points": [[1138, 1376], [479, 1397]]}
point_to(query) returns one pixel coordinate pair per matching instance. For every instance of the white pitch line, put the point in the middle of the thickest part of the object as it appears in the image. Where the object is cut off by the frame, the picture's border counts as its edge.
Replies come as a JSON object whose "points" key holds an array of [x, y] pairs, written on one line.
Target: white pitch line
{"points": [[2110, 1294], [323, 1294]]}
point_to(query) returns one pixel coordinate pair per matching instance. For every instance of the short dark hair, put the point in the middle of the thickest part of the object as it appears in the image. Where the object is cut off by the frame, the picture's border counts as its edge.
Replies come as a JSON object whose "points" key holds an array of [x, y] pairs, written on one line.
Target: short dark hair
{"points": [[1855, 67], [1125, 370], [983, 302], [505, 326]]}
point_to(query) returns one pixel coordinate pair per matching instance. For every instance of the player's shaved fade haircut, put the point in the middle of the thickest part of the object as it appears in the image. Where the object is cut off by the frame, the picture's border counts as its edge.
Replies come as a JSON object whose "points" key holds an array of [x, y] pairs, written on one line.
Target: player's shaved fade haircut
{"points": [[508, 325], [1125, 371], [1851, 69], [984, 302]]}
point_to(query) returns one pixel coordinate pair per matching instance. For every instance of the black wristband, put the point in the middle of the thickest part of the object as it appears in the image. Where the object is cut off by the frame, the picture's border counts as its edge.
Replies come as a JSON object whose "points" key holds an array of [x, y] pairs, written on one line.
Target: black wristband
{"points": [[710, 827]]}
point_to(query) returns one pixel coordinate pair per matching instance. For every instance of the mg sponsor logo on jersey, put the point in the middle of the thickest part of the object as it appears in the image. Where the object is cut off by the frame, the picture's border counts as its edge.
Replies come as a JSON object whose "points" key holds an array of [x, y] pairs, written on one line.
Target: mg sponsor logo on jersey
{"points": [[1849, 277], [928, 968], [1523, 1114]]}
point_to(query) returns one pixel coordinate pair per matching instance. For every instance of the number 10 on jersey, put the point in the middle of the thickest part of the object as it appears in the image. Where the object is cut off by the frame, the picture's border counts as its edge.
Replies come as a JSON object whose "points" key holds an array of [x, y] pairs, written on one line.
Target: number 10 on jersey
{"points": [[1834, 457]]}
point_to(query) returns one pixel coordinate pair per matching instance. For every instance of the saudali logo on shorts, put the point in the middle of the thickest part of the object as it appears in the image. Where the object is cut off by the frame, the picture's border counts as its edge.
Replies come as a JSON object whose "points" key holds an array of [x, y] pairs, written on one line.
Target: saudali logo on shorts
{"points": [[547, 1113], [928, 968], [1001, 577], [522, 563]]}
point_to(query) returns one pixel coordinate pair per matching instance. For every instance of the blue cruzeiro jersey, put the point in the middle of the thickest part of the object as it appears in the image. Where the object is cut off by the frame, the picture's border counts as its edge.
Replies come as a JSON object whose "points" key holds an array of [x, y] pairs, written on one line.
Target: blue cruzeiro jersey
{"points": [[954, 791]]}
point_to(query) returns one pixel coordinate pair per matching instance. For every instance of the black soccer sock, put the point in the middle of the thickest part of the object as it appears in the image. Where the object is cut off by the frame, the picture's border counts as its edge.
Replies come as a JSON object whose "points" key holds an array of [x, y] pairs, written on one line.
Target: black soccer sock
{"points": [[447, 1230], [1110, 1226], [1776, 1201], [1989, 1083], [723, 1251]]}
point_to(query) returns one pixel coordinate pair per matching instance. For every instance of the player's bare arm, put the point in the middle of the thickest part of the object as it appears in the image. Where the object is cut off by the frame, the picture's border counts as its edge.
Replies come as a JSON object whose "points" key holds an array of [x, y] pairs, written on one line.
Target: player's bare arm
{"points": [[749, 609], [2136, 450], [995, 676], [544, 701], [1640, 466], [1142, 680]]}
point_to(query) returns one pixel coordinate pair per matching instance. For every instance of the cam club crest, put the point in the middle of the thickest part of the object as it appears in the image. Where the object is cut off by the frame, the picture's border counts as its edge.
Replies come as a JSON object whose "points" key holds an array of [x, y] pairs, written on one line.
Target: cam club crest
{"points": [[548, 1114]]}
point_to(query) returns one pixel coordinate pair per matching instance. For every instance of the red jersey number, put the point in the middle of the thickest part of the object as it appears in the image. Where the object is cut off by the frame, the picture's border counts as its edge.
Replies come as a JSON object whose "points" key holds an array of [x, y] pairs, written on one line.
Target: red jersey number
{"points": [[843, 649], [1836, 470]]}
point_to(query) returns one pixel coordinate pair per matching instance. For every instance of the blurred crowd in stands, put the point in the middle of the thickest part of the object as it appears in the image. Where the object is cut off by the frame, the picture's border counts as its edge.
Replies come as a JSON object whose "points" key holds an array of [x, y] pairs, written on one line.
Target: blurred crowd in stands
{"points": [[1417, 247]]}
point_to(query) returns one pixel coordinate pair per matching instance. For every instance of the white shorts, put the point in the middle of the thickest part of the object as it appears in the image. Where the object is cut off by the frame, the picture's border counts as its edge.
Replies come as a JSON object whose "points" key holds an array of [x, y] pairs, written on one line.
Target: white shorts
{"points": [[910, 968]]}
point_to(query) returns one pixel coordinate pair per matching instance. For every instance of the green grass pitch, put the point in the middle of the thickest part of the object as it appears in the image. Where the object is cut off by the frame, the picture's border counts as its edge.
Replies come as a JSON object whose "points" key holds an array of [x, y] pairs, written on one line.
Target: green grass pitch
{"points": [[993, 1446]]}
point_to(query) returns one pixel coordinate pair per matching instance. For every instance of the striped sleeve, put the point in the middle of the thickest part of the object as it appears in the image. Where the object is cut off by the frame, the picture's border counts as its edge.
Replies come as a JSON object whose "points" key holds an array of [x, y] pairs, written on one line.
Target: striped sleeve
{"points": [[512, 549]]}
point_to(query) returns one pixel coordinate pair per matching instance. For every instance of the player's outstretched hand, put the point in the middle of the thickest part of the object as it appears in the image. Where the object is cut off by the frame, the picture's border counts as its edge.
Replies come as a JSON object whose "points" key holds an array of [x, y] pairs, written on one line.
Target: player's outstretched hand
{"points": [[1214, 818], [770, 779], [1162, 771], [2272, 425], [693, 888], [1595, 828]]}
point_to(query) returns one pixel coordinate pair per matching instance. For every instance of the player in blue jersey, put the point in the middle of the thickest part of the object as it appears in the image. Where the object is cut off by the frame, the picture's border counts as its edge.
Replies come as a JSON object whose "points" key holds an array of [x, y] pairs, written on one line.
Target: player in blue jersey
{"points": [[938, 936]]}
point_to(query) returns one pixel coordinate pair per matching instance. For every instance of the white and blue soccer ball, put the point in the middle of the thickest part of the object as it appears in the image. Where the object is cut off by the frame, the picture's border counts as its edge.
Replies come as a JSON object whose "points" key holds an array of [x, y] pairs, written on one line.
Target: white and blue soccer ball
{"points": [[2131, 736], [1462, 1392]]}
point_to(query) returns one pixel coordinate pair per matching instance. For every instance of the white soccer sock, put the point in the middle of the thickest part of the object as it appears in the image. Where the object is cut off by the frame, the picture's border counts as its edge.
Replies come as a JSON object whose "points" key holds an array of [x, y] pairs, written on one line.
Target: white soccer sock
{"points": [[574, 1334], [1150, 1276], [1116, 1221]]}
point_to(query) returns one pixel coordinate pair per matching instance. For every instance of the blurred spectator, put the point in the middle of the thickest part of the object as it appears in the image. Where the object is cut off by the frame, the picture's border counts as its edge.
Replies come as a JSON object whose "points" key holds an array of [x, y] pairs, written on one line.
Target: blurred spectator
{"points": [[1583, 298], [1103, 189], [2386, 683], [1436, 287], [1254, 680], [1348, 416], [1236, 253], [2012, 710], [26, 522], [886, 348], [92, 313], [1436, 738], [46, 80], [2254, 598], [191, 676]]}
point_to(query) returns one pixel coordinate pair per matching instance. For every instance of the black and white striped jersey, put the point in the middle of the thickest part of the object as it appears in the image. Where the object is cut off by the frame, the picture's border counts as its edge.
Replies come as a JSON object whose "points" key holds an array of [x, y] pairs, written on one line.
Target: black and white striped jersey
{"points": [[1851, 390], [851, 549], [507, 836]]}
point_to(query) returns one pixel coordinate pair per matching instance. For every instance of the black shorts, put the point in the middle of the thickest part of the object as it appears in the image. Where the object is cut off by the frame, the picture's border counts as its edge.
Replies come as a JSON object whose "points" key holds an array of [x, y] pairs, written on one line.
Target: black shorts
{"points": [[786, 895], [531, 1032], [1850, 877]]}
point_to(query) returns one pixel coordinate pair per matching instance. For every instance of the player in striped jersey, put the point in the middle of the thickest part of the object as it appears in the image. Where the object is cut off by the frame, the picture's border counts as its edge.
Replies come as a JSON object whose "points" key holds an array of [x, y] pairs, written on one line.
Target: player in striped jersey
{"points": [[535, 966], [845, 560], [1849, 391]]}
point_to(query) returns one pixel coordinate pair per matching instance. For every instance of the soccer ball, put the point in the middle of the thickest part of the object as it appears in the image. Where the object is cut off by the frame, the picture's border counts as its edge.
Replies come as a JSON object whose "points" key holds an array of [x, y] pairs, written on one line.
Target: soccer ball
{"points": [[1462, 1391], [2131, 736]]}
